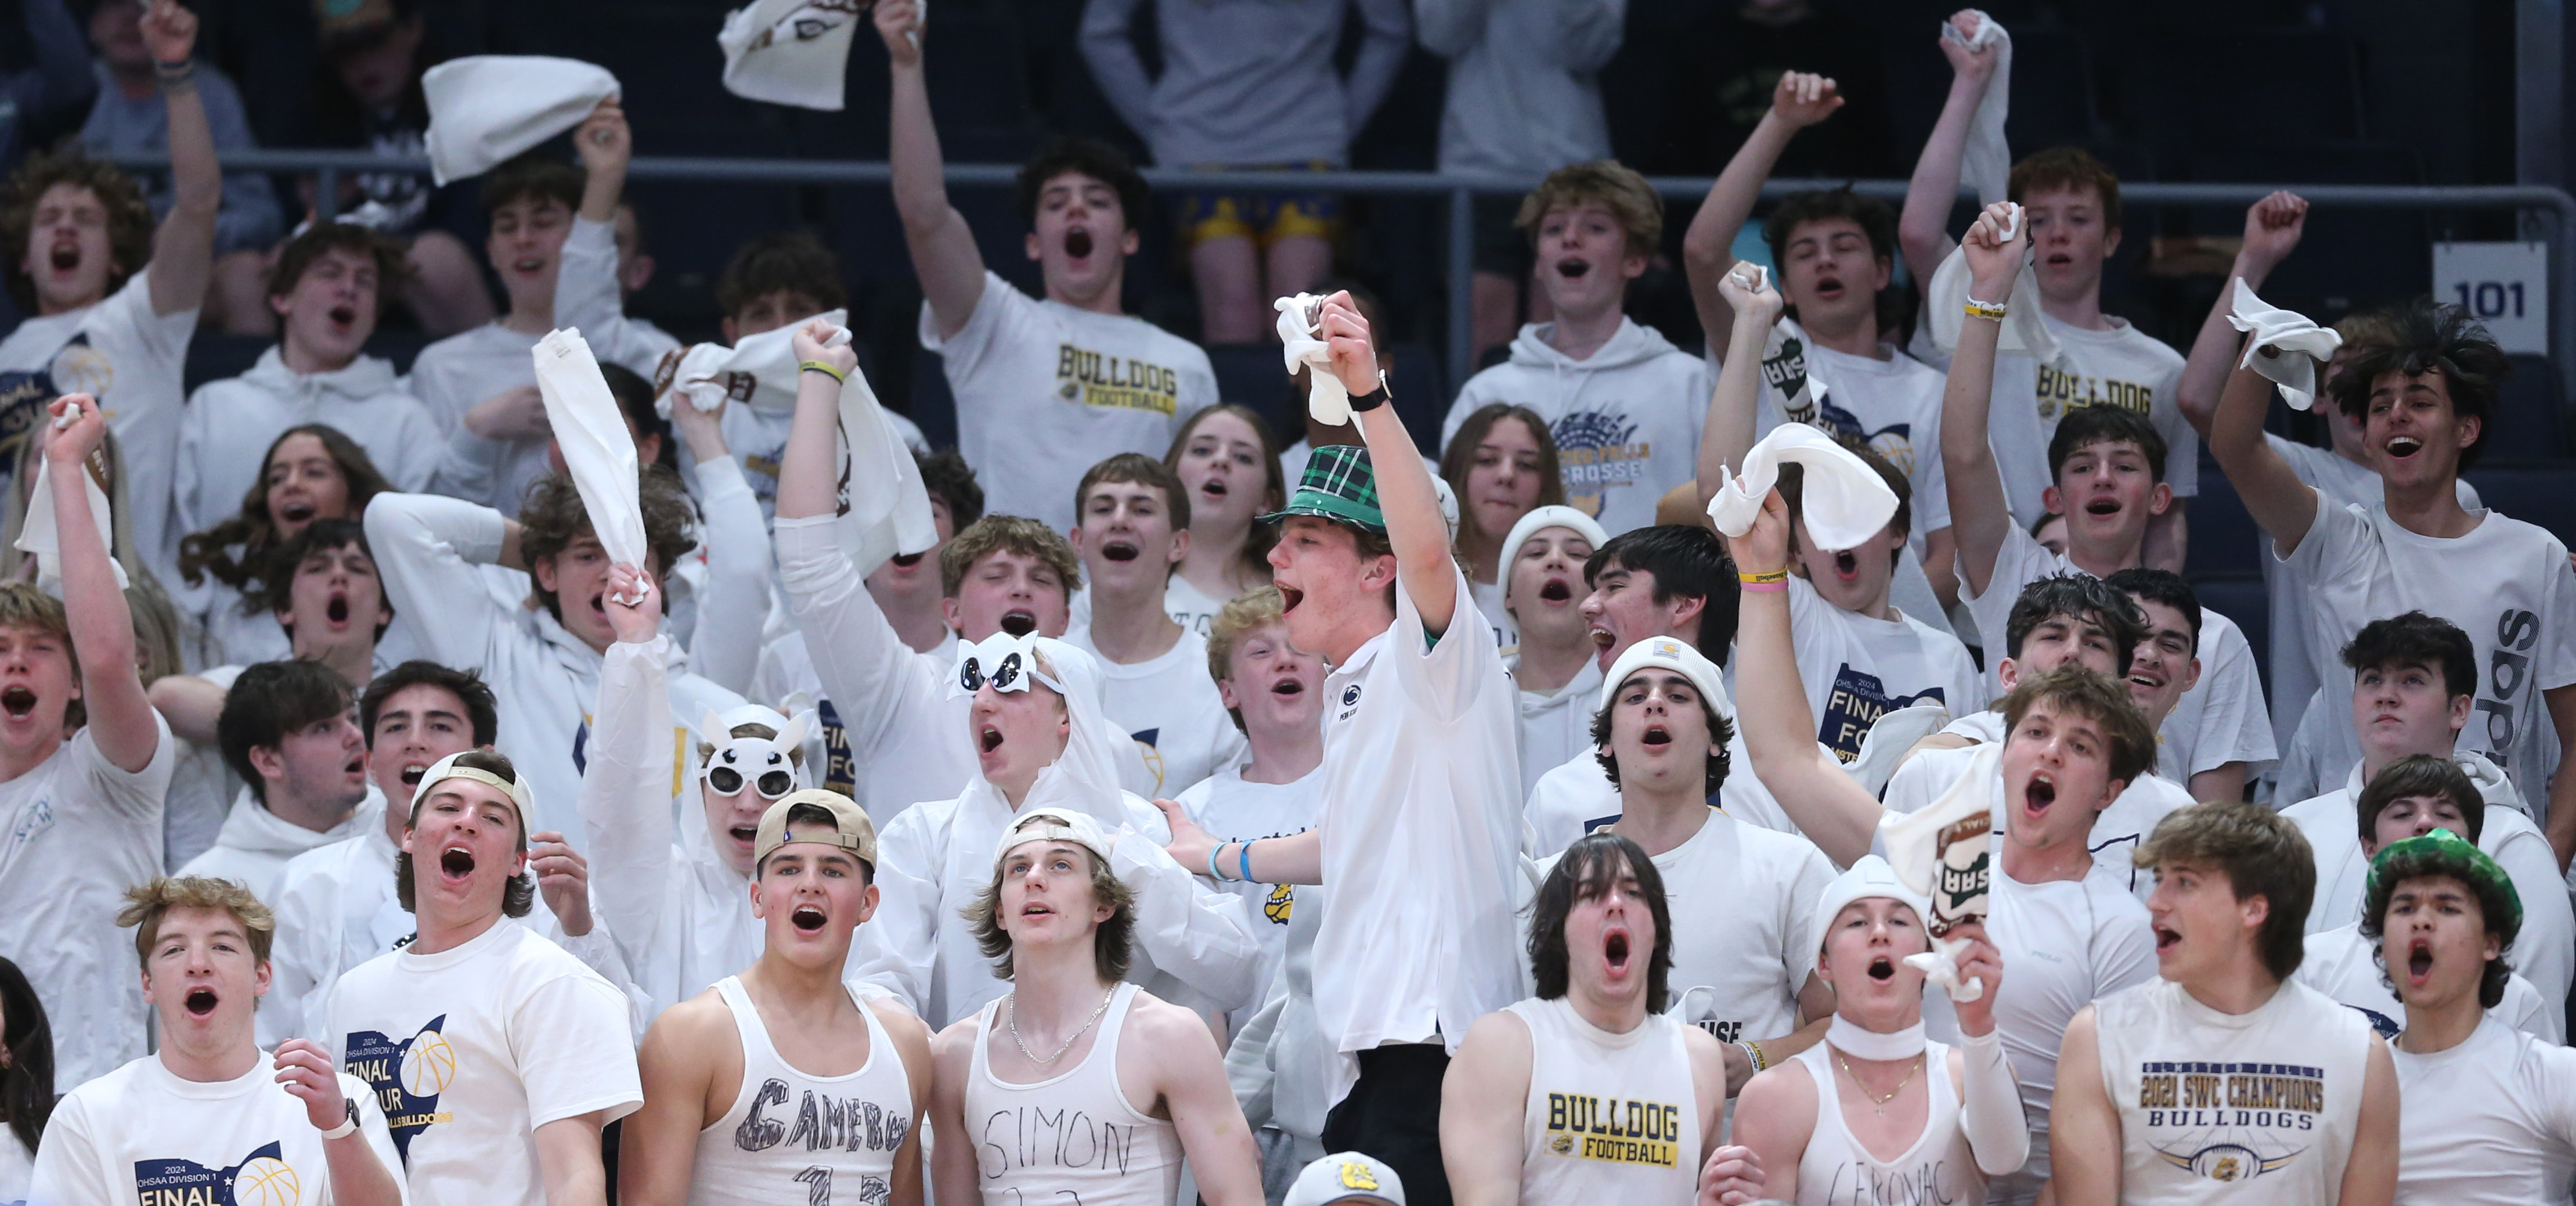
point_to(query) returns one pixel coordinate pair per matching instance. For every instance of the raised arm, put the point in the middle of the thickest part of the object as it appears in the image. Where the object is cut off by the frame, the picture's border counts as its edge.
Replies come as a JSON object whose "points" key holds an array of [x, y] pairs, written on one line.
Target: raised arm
{"points": [[1728, 433], [120, 715], [1829, 806], [726, 647], [1980, 514], [1480, 1111], [943, 248], [426, 548], [590, 294], [2283, 505], [1800, 100], [2272, 229], [625, 801], [183, 251], [189, 704], [1923, 229], [1425, 570]]}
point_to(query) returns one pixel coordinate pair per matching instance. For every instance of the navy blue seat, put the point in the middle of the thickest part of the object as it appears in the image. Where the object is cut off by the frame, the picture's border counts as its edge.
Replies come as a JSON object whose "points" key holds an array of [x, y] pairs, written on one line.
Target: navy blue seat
{"points": [[2240, 597], [2532, 493], [2224, 537], [2529, 423]]}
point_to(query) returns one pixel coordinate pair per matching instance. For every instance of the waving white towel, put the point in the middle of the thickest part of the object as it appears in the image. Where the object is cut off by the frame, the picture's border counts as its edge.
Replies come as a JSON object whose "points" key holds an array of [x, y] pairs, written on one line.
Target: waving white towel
{"points": [[39, 535], [485, 108], [1326, 400], [790, 52], [884, 508], [1844, 501], [597, 447], [2302, 343], [1987, 161], [1945, 852], [1946, 305], [758, 371]]}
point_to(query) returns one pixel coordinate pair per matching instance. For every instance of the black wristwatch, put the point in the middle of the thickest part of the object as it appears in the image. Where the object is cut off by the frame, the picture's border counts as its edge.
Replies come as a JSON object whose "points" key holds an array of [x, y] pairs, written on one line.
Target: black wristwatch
{"points": [[1374, 398]]}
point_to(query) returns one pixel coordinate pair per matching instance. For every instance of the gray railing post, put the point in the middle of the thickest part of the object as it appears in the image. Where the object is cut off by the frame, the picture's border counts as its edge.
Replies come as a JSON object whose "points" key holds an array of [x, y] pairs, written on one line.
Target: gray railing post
{"points": [[1462, 286]]}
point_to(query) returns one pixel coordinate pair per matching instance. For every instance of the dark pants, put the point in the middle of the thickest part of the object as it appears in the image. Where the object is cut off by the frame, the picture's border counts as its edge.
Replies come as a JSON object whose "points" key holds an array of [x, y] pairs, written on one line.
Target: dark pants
{"points": [[1393, 1113]]}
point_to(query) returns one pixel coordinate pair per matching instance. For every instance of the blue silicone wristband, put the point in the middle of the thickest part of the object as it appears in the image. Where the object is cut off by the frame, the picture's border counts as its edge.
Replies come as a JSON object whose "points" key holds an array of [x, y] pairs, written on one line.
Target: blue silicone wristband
{"points": [[1243, 862], [1213, 852]]}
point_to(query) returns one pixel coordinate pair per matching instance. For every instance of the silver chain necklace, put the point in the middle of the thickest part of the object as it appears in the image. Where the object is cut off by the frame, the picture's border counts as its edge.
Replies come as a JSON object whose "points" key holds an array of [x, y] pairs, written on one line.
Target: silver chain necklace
{"points": [[1033, 1056]]}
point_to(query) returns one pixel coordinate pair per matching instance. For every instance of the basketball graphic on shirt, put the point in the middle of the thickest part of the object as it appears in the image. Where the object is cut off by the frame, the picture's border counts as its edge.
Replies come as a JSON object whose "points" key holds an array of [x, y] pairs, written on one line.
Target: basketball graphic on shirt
{"points": [[428, 1065], [266, 1181], [82, 369], [1597, 451]]}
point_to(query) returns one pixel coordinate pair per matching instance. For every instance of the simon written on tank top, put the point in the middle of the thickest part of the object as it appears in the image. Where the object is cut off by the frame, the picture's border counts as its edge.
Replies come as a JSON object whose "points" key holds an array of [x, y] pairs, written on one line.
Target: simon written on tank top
{"points": [[1836, 1170], [2218, 1107], [796, 1137], [1607, 1113], [1073, 1137]]}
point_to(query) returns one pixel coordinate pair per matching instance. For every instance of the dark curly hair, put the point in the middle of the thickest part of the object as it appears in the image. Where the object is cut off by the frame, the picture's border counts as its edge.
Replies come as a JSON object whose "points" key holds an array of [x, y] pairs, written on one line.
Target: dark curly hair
{"points": [[553, 518], [2497, 913], [1585, 870], [300, 253], [254, 532], [1098, 160], [2084, 598], [129, 217], [521, 894], [2426, 336]]}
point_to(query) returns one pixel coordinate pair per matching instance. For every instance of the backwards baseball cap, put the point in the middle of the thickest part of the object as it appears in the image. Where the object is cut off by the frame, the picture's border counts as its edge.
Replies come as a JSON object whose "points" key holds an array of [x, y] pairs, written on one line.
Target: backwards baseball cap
{"points": [[2457, 856], [1671, 653], [1346, 1177], [1338, 484], [1055, 825], [851, 830], [1869, 876], [446, 768]]}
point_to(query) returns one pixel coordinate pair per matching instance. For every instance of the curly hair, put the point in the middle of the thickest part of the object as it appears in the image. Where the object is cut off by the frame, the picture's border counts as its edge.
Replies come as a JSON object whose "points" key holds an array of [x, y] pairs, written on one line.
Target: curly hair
{"points": [[1607, 183], [129, 217], [2499, 914], [2073, 690], [2427, 336], [2082, 598], [1086, 157], [1112, 945], [254, 531], [554, 517]]}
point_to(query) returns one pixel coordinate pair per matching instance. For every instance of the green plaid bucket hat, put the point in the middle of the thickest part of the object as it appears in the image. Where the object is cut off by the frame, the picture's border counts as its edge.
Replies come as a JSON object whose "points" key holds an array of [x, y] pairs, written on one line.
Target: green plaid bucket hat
{"points": [[1337, 484], [2464, 860]]}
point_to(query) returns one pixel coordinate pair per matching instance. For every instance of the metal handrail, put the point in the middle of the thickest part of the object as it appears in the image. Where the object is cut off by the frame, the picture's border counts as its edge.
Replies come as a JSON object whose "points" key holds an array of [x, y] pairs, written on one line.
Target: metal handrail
{"points": [[1463, 189]]}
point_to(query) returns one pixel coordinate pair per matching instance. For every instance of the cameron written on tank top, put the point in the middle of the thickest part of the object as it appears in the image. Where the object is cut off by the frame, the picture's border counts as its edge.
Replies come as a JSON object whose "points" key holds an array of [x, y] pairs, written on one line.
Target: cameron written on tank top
{"points": [[1073, 1137], [792, 1136], [1607, 1113], [2219, 1107], [1836, 1170]]}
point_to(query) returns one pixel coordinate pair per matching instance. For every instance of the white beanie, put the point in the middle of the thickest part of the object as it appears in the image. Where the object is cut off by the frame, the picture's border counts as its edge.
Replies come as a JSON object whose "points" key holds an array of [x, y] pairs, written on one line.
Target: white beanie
{"points": [[1869, 876], [1539, 520], [1671, 653]]}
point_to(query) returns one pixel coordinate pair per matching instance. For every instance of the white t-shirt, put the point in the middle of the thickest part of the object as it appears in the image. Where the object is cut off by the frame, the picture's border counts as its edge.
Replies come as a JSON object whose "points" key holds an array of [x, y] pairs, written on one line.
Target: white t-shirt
{"points": [[75, 833], [1421, 836], [1893, 405], [132, 359], [2490, 1122], [17, 1169], [2121, 367], [1626, 420], [2065, 944], [1577, 797], [2117, 833], [1234, 809], [2506, 584], [1171, 707], [473, 1048], [1045, 391], [1190, 607], [2340, 963], [1856, 668], [143, 1134]]}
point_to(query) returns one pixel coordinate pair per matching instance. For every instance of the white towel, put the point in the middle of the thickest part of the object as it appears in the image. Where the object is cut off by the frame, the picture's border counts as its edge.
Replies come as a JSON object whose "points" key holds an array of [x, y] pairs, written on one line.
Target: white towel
{"points": [[485, 108], [39, 536], [790, 52], [597, 448], [1945, 852], [758, 371], [1844, 501], [1326, 400], [2302, 342], [884, 507], [1947, 305], [1986, 162]]}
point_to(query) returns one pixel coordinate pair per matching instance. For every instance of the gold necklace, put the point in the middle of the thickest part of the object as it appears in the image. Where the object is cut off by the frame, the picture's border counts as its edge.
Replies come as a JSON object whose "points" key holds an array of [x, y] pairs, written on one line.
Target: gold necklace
{"points": [[1877, 1103]]}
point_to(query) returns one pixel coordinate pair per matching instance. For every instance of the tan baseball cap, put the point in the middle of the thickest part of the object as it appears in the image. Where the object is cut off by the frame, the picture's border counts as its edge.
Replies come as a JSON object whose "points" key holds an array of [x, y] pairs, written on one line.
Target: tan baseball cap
{"points": [[851, 830]]}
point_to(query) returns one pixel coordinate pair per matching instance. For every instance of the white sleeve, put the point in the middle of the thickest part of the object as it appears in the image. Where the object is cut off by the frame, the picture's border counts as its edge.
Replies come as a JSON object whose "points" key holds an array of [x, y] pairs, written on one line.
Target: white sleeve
{"points": [[570, 1035], [626, 812], [187, 485], [589, 298], [2124, 949], [872, 678], [1815, 873], [1444, 677], [735, 604], [69, 1169], [426, 549], [2525, 1011], [598, 951], [1195, 934], [898, 946], [2235, 726], [2552, 1071], [300, 946], [420, 447], [469, 467], [1990, 1111], [1249, 1069]]}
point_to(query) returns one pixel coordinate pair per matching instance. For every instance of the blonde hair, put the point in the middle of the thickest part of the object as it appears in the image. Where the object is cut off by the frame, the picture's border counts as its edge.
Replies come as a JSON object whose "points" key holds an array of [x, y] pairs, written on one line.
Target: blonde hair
{"points": [[147, 903], [1256, 608], [1607, 183]]}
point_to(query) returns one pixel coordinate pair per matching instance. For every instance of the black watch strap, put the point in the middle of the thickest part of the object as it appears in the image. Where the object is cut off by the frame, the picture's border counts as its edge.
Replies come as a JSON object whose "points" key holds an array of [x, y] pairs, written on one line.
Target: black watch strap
{"points": [[1374, 398]]}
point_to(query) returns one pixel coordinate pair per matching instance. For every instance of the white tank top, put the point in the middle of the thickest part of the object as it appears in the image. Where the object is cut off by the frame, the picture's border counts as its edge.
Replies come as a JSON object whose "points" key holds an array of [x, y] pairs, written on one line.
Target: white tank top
{"points": [[1073, 1137], [1607, 1113], [793, 1136], [1836, 1170], [2210, 1101]]}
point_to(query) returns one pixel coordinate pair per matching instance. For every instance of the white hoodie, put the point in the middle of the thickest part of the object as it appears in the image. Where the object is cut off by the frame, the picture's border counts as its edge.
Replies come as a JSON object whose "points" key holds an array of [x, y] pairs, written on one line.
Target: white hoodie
{"points": [[1626, 422], [230, 424], [256, 844], [2545, 953]]}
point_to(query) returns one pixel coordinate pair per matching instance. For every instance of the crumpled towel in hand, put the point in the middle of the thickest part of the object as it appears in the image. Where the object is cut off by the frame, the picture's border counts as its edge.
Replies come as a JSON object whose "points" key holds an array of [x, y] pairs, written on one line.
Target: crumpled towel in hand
{"points": [[485, 108], [884, 507], [597, 447], [39, 536], [1946, 306], [1946, 855], [789, 52], [2302, 340], [1986, 161], [1844, 501], [1326, 401], [758, 371]]}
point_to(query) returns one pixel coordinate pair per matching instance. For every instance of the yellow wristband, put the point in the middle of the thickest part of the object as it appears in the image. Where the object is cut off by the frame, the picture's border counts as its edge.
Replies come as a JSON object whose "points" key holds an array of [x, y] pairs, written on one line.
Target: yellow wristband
{"points": [[825, 369], [1978, 309], [1777, 575]]}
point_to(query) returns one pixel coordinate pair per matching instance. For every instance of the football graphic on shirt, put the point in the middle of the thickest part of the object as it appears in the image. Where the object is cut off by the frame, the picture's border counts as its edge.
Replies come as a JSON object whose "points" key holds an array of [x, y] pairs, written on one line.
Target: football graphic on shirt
{"points": [[263, 1178]]}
